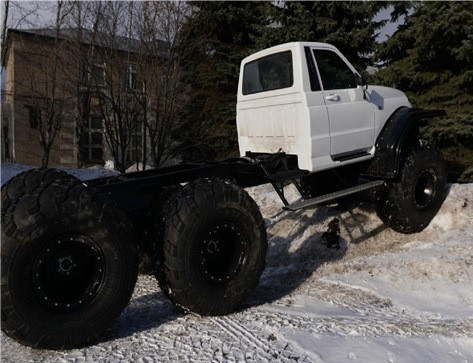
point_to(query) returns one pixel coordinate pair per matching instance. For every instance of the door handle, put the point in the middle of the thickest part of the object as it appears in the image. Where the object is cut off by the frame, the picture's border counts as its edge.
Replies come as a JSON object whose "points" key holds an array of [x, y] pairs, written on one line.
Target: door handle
{"points": [[333, 97]]}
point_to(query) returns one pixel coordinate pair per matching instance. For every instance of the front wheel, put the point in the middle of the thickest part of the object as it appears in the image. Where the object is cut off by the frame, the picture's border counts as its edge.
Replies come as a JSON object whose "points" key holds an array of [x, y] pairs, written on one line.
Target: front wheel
{"points": [[412, 201], [214, 247]]}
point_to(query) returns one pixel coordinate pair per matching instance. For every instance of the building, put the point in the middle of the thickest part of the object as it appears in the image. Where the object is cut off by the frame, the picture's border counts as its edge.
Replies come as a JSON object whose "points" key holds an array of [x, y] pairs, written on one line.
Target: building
{"points": [[76, 94]]}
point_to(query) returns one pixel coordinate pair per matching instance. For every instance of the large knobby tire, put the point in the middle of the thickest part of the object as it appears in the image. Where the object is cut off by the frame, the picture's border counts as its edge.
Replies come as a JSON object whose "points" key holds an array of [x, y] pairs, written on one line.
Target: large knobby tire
{"points": [[167, 198], [69, 264], [28, 182], [214, 247], [414, 198]]}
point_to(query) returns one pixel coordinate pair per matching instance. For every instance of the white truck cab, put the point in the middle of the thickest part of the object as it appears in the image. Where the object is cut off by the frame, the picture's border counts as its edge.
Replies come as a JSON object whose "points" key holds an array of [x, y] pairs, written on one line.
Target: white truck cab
{"points": [[306, 99]]}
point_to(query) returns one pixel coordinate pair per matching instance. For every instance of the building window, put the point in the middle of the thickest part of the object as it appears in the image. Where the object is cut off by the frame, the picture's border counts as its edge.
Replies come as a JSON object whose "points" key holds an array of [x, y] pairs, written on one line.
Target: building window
{"points": [[133, 81], [92, 73], [92, 141], [98, 73], [135, 150], [84, 72], [34, 114]]}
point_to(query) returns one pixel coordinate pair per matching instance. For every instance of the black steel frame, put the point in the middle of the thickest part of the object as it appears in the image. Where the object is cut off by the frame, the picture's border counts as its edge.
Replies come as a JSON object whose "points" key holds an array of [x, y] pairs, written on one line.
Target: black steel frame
{"points": [[136, 190]]}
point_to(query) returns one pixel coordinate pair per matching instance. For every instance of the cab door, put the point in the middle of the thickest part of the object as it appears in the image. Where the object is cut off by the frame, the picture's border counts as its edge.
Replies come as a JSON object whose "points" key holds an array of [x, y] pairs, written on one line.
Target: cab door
{"points": [[351, 117]]}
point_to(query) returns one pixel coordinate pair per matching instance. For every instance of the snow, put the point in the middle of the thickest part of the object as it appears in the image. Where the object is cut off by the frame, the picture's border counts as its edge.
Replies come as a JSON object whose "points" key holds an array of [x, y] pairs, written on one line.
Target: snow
{"points": [[8, 171], [383, 297], [138, 167]]}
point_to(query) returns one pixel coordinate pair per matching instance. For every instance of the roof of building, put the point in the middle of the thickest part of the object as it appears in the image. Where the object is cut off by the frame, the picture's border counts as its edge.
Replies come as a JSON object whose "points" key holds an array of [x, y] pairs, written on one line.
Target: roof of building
{"points": [[90, 37]]}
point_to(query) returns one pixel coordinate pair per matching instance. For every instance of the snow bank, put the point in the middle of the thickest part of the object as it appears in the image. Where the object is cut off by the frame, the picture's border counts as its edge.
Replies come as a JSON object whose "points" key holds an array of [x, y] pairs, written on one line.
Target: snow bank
{"points": [[9, 170], [138, 167]]}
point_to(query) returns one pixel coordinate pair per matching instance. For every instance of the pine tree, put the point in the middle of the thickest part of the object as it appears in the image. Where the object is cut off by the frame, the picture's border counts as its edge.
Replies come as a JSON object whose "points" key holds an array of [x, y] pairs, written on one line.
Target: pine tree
{"points": [[347, 25], [220, 36], [430, 57]]}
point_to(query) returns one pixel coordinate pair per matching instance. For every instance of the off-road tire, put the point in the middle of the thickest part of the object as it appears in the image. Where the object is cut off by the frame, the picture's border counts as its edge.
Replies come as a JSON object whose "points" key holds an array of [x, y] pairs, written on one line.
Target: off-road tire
{"points": [[214, 247], [409, 203], [27, 182], [69, 264], [167, 198]]}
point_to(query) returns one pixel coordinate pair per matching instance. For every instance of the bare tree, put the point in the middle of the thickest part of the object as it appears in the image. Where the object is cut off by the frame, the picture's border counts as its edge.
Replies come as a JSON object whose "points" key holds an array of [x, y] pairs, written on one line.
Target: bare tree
{"points": [[50, 122], [159, 28], [129, 62], [113, 56], [45, 89], [84, 19]]}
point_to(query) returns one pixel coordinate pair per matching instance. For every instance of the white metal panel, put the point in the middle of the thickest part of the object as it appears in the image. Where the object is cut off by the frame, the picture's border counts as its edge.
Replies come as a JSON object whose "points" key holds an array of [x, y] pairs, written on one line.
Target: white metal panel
{"points": [[351, 117], [274, 119], [289, 116], [296, 120], [351, 122], [278, 124]]}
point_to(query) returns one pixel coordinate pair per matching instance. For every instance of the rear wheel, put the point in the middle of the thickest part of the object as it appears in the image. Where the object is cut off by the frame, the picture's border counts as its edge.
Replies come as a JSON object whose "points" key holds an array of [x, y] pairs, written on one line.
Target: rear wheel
{"points": [[214, 247], [28, 182], [69, 265], [411, 202]]}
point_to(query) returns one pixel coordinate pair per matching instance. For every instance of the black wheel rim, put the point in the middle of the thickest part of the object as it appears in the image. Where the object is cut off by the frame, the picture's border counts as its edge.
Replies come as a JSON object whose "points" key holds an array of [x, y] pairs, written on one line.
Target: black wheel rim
{"points": [[424, 189], [223, 252], [68, 272]]}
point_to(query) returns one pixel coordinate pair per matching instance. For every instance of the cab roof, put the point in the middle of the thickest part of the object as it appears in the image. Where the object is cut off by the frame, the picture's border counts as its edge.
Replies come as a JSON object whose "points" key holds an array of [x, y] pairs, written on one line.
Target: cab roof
{"points": [[286, 46]]}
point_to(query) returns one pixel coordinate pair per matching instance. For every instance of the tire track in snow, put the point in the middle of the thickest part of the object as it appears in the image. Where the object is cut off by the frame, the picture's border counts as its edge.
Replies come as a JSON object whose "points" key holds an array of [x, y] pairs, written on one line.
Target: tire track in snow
{"points": [[368, 326], [359, 300], [369, 304], [374, 315], [240, 333], [281, 350]]}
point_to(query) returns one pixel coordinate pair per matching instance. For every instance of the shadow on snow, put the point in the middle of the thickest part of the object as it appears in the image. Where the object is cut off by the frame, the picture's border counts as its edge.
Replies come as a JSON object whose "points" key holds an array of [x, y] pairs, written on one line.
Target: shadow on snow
{"points": [[287, 268]]}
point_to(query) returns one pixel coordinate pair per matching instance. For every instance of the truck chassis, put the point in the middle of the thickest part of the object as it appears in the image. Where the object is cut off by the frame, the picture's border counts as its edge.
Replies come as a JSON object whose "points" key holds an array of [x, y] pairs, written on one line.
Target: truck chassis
{"points": [[71, 249]]}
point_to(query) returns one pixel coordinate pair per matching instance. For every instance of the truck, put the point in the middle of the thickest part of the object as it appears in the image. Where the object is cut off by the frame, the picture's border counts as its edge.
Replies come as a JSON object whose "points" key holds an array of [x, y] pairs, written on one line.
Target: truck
{"points": [[71, 249]]}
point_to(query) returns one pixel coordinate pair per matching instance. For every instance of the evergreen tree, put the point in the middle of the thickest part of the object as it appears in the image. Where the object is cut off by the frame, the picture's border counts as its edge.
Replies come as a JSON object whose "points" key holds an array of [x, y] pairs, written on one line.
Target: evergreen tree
{"points": [[430, 57], [347, 25], [223, 33], [220, 36]]}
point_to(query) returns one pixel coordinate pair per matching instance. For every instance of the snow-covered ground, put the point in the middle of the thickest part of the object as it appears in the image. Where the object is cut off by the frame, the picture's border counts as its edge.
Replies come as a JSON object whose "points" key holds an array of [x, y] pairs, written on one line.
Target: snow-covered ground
{"points": [[7, 171], [383, 297]]}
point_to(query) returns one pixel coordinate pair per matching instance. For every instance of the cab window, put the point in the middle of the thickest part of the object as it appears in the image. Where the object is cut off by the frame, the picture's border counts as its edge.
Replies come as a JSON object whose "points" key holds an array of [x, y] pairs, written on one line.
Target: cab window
{"points": [[334, 72], [268, 73]]}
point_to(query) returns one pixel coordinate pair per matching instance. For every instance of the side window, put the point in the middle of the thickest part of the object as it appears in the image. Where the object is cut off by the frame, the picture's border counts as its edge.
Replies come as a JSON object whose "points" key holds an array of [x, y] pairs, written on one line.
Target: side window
{"points": [[314, 80], [334, 71], [268, 73]]}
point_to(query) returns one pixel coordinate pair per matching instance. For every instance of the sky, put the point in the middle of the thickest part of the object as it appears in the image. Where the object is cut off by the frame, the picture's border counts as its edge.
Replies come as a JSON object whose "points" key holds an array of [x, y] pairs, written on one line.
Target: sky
{"points": [[45, 14], [29, 14], [390, 27]]}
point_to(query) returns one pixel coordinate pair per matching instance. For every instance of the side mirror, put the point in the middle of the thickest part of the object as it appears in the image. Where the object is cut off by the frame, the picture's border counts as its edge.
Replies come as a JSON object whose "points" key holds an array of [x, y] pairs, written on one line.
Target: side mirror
{"points": [[361, 79]]}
